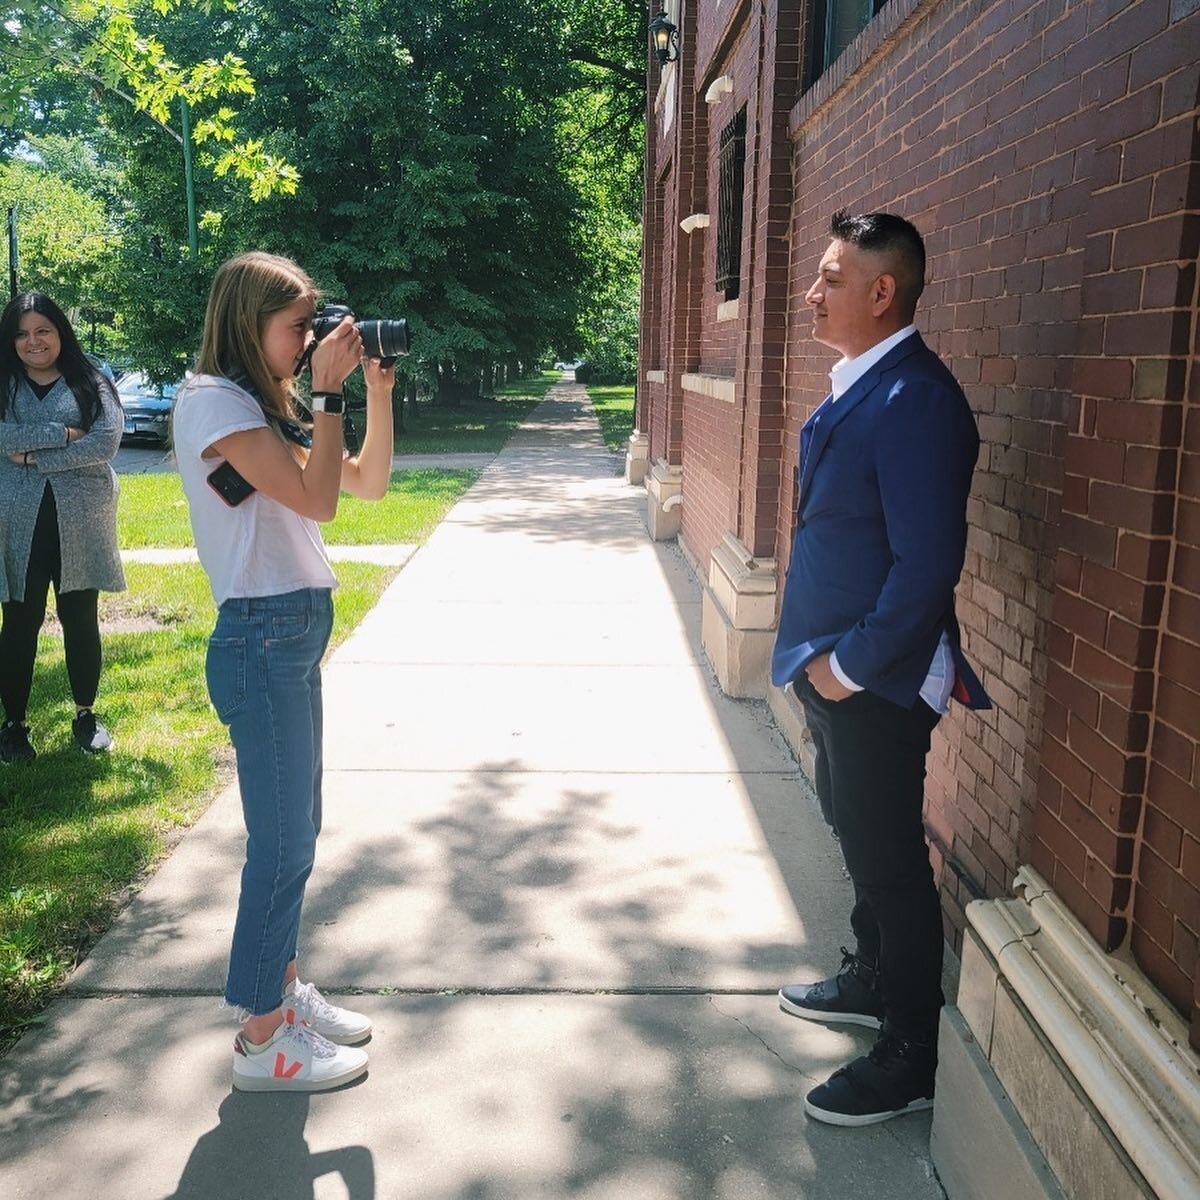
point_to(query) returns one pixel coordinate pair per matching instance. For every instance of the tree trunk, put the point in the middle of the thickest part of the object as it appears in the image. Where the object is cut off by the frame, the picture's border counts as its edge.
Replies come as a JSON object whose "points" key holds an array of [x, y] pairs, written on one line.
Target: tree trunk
{"points": [[447, 395]]}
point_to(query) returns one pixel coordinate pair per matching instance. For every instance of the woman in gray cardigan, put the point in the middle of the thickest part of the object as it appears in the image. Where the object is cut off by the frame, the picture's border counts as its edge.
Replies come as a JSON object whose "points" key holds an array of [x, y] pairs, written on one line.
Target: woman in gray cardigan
{"points": [[60, 426]]}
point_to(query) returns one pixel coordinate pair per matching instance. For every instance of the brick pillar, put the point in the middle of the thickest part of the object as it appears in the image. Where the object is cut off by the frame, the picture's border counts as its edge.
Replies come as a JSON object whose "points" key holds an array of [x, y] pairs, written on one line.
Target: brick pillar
{"points": [[766, 248], [684, 260]]}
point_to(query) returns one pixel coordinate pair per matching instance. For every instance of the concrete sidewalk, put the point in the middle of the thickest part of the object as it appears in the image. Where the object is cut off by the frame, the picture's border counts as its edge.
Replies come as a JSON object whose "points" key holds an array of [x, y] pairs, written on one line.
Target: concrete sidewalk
{"points": [[562, 873]]}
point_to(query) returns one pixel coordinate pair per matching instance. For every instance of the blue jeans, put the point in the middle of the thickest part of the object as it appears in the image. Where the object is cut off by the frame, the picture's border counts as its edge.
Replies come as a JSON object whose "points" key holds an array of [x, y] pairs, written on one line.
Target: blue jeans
{"points": [[264, 678]]}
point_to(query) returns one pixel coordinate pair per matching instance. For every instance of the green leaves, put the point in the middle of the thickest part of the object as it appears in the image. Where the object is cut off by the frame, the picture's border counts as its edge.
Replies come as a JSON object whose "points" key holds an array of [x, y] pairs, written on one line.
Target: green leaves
{"points": [[107, 41]]}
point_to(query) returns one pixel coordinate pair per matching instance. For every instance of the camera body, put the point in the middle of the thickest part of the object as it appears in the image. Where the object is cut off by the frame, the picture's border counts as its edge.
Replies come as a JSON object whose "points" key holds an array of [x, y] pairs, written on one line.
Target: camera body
{"points": [[383, 339]]}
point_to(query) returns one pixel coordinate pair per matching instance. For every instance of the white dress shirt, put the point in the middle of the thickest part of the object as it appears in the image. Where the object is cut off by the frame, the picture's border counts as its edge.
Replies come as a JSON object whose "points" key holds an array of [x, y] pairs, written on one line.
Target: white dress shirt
{"points": [[939, 683]]}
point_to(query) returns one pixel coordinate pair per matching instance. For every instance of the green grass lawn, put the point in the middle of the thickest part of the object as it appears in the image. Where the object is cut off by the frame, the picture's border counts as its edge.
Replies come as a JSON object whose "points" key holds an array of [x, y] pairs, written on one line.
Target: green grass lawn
{"points": [[614, 407], [76, 830], [152, 511], [482, 426]]}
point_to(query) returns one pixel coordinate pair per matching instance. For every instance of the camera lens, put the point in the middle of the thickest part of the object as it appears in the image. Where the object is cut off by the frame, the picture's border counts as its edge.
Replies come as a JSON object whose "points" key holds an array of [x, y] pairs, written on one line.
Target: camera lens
{"points": [[383, 338]]}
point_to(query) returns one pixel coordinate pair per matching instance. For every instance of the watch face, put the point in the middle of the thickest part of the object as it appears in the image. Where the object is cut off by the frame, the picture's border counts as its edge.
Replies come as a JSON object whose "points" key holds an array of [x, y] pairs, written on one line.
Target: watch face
{"points": [[324, 402]]}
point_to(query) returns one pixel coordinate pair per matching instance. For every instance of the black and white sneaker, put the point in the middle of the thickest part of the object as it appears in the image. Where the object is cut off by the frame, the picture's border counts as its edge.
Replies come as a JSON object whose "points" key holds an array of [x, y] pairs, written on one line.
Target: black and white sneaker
{"points": [[895, 1078], [90, 734], [851, 997], [15, 746]]}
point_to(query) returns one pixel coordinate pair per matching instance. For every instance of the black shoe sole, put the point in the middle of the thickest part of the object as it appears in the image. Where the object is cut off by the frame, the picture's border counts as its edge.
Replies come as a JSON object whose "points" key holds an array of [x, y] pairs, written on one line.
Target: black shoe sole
{"points": [[829, 1018], [854, 1120]]}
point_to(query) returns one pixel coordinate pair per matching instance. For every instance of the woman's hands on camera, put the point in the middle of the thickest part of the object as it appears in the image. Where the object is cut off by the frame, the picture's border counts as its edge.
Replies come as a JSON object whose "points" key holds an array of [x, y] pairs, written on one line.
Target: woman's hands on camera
{"points": [[380, 379], [336, 357]]}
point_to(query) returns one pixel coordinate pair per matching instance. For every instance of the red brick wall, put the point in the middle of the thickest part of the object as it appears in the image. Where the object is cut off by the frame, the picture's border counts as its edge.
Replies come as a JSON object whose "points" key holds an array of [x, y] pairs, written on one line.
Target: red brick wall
{"points": [[1111, 830], [759, 49], [958, 121], [1047, 151]]}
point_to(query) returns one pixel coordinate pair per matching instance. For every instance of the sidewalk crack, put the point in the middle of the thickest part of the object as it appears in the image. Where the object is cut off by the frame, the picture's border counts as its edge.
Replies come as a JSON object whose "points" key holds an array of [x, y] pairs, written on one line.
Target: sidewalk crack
{"points": [[758, 1038], [924, 1161]]}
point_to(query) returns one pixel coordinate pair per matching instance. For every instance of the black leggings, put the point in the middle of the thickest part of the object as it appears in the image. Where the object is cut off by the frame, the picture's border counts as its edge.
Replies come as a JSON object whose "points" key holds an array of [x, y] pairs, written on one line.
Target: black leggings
{"points": [[23, 620]]}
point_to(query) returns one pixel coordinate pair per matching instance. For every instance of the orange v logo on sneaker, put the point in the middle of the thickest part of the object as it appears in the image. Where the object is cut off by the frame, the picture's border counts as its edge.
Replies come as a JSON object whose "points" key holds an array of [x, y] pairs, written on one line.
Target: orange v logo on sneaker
{"points": [[282, 1070]]}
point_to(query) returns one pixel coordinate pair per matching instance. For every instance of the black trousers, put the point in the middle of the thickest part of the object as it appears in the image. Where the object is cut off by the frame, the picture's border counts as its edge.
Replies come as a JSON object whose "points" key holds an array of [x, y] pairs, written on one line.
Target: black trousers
{"points": [[23, 621], [870, 768]]}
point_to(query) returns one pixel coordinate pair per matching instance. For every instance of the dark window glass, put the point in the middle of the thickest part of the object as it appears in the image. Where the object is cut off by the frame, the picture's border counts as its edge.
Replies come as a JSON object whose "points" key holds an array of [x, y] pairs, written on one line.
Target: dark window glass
{"points": [[732, 160], [836, 24]]}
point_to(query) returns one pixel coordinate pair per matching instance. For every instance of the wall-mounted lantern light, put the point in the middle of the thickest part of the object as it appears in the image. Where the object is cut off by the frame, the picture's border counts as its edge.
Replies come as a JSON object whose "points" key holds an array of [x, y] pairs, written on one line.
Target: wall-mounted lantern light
{"points": [[665, 38]]}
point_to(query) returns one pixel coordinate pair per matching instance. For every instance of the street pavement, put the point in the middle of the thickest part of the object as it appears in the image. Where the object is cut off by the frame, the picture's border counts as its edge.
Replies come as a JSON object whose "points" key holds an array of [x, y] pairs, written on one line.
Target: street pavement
{"points": [[562, 873]]}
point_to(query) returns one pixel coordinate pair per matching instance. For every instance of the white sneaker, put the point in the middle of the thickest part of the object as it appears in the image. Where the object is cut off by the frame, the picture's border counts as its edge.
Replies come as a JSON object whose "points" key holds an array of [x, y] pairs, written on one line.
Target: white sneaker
{"points": [[302, 1002], [295, 1060]]}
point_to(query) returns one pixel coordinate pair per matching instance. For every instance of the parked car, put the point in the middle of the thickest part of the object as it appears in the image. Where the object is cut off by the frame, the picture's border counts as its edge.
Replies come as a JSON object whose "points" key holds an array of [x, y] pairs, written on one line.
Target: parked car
{"points": [[147, 408], [105, 368]]}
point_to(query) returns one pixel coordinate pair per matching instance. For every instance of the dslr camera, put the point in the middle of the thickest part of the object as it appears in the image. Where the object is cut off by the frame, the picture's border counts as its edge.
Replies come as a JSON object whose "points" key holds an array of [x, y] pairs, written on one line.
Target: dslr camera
{"points": [[383, 339]]}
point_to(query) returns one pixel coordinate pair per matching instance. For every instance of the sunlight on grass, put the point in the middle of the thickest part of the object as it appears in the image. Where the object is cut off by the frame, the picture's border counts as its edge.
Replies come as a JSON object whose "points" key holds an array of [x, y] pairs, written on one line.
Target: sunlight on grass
{"points": [[614, 408], [75, 830], [415, 503], [477, 427], [152, 510]]}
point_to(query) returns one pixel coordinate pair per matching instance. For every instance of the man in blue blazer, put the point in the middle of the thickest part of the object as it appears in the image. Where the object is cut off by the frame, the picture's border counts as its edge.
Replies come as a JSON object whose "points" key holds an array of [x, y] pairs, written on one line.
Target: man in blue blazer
{"points": [[868, 640]]}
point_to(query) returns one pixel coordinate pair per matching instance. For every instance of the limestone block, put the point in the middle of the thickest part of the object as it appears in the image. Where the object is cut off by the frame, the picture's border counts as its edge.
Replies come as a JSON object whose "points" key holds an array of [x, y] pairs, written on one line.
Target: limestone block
{"points": [[740, 657], [664, 493], [977, 989], [637, 458], [1078, 1145], [743, 585], [980, 1146]]}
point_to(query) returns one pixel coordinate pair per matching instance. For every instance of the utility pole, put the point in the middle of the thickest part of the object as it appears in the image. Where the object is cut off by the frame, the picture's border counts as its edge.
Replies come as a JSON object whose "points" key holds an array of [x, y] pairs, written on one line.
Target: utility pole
{"points": [[12, 252], [186, 122]]}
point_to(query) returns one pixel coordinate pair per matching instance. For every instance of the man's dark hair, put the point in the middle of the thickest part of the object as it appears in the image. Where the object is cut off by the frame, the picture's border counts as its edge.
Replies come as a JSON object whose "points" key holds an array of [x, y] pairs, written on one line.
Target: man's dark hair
{"points": [[885, 233]]}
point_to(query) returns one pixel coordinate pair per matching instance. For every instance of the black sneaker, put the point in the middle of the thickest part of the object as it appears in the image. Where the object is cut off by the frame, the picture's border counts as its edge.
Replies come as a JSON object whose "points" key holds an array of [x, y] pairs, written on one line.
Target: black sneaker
{"points": [[90, 735], [851, 997], [15, 746], [895, 1078]]}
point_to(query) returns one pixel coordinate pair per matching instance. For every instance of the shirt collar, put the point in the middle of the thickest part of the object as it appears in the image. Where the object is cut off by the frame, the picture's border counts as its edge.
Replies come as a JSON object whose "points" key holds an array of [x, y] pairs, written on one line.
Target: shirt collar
{"points": [[847, 372]]}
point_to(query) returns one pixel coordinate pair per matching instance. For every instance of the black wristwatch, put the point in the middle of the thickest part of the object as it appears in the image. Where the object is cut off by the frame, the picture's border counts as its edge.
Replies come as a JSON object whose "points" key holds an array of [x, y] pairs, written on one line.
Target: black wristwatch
{"points": [[327, 402]]}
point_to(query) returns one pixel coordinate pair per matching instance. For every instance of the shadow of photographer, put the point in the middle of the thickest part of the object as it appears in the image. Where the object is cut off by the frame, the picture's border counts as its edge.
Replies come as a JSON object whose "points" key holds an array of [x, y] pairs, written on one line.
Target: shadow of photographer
{"points": [[257, 1151]]}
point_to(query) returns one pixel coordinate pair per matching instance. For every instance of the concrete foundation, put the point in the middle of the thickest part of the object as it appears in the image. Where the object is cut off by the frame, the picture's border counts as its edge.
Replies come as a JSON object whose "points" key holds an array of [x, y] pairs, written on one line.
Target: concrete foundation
{"points": [[738, 616], [1062, 1064], [664, 491], [981, 1147], [637, 458]]}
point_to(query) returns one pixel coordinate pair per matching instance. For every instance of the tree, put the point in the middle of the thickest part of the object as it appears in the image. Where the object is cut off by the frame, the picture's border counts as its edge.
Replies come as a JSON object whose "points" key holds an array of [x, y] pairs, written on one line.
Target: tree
{"points": [[67, 242], [103, 41]]}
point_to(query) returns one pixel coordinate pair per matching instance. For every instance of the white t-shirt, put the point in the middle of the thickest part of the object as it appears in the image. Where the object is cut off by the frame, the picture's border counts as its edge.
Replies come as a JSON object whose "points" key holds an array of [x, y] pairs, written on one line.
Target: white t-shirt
{"points": [[261, 547]]}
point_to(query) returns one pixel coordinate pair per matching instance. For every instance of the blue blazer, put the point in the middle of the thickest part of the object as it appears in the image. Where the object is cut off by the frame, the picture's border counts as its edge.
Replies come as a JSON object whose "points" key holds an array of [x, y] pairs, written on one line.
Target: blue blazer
{"points": [[881, 530]]}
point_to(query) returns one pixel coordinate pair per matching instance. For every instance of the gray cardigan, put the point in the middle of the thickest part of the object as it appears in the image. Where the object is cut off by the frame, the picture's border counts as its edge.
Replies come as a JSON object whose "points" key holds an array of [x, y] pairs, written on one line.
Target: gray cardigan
{"points": [[79, 475]]}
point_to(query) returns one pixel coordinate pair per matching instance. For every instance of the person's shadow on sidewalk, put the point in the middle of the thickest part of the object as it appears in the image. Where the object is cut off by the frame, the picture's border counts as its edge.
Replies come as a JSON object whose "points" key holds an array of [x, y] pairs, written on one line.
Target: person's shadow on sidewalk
{"points": [[257, 1152]]}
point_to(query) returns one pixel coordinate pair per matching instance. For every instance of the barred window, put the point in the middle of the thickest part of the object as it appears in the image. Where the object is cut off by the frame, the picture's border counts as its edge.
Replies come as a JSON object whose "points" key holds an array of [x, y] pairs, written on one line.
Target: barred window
{"points": [[836, 23], [732, 176]]}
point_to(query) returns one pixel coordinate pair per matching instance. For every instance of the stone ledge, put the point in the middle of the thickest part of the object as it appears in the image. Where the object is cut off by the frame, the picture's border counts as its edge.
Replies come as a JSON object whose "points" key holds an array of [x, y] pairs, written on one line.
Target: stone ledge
{"points": [[727, 310], [656, 377], [719, 387], [1120, 1042]]}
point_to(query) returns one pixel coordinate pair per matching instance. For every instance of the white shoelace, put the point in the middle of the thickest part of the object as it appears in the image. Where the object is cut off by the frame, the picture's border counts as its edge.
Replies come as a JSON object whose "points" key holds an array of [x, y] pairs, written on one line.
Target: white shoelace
{"points": [[309, 1002], [307, 1039]]}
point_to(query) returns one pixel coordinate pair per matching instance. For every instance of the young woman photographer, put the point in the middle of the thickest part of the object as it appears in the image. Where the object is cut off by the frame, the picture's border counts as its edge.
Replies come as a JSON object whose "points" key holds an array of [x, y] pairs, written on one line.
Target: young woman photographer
{"points": [[60, 426], [255, 497]]}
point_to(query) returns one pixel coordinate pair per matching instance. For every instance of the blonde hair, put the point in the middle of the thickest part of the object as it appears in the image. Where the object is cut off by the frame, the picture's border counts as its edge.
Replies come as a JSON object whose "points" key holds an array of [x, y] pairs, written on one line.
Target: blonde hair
{"points": [[245, 292]]}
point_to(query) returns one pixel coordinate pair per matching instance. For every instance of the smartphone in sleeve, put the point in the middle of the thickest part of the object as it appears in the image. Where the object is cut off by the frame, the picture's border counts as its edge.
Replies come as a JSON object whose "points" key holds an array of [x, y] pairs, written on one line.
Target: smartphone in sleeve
{"points": [[229, 485]]}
